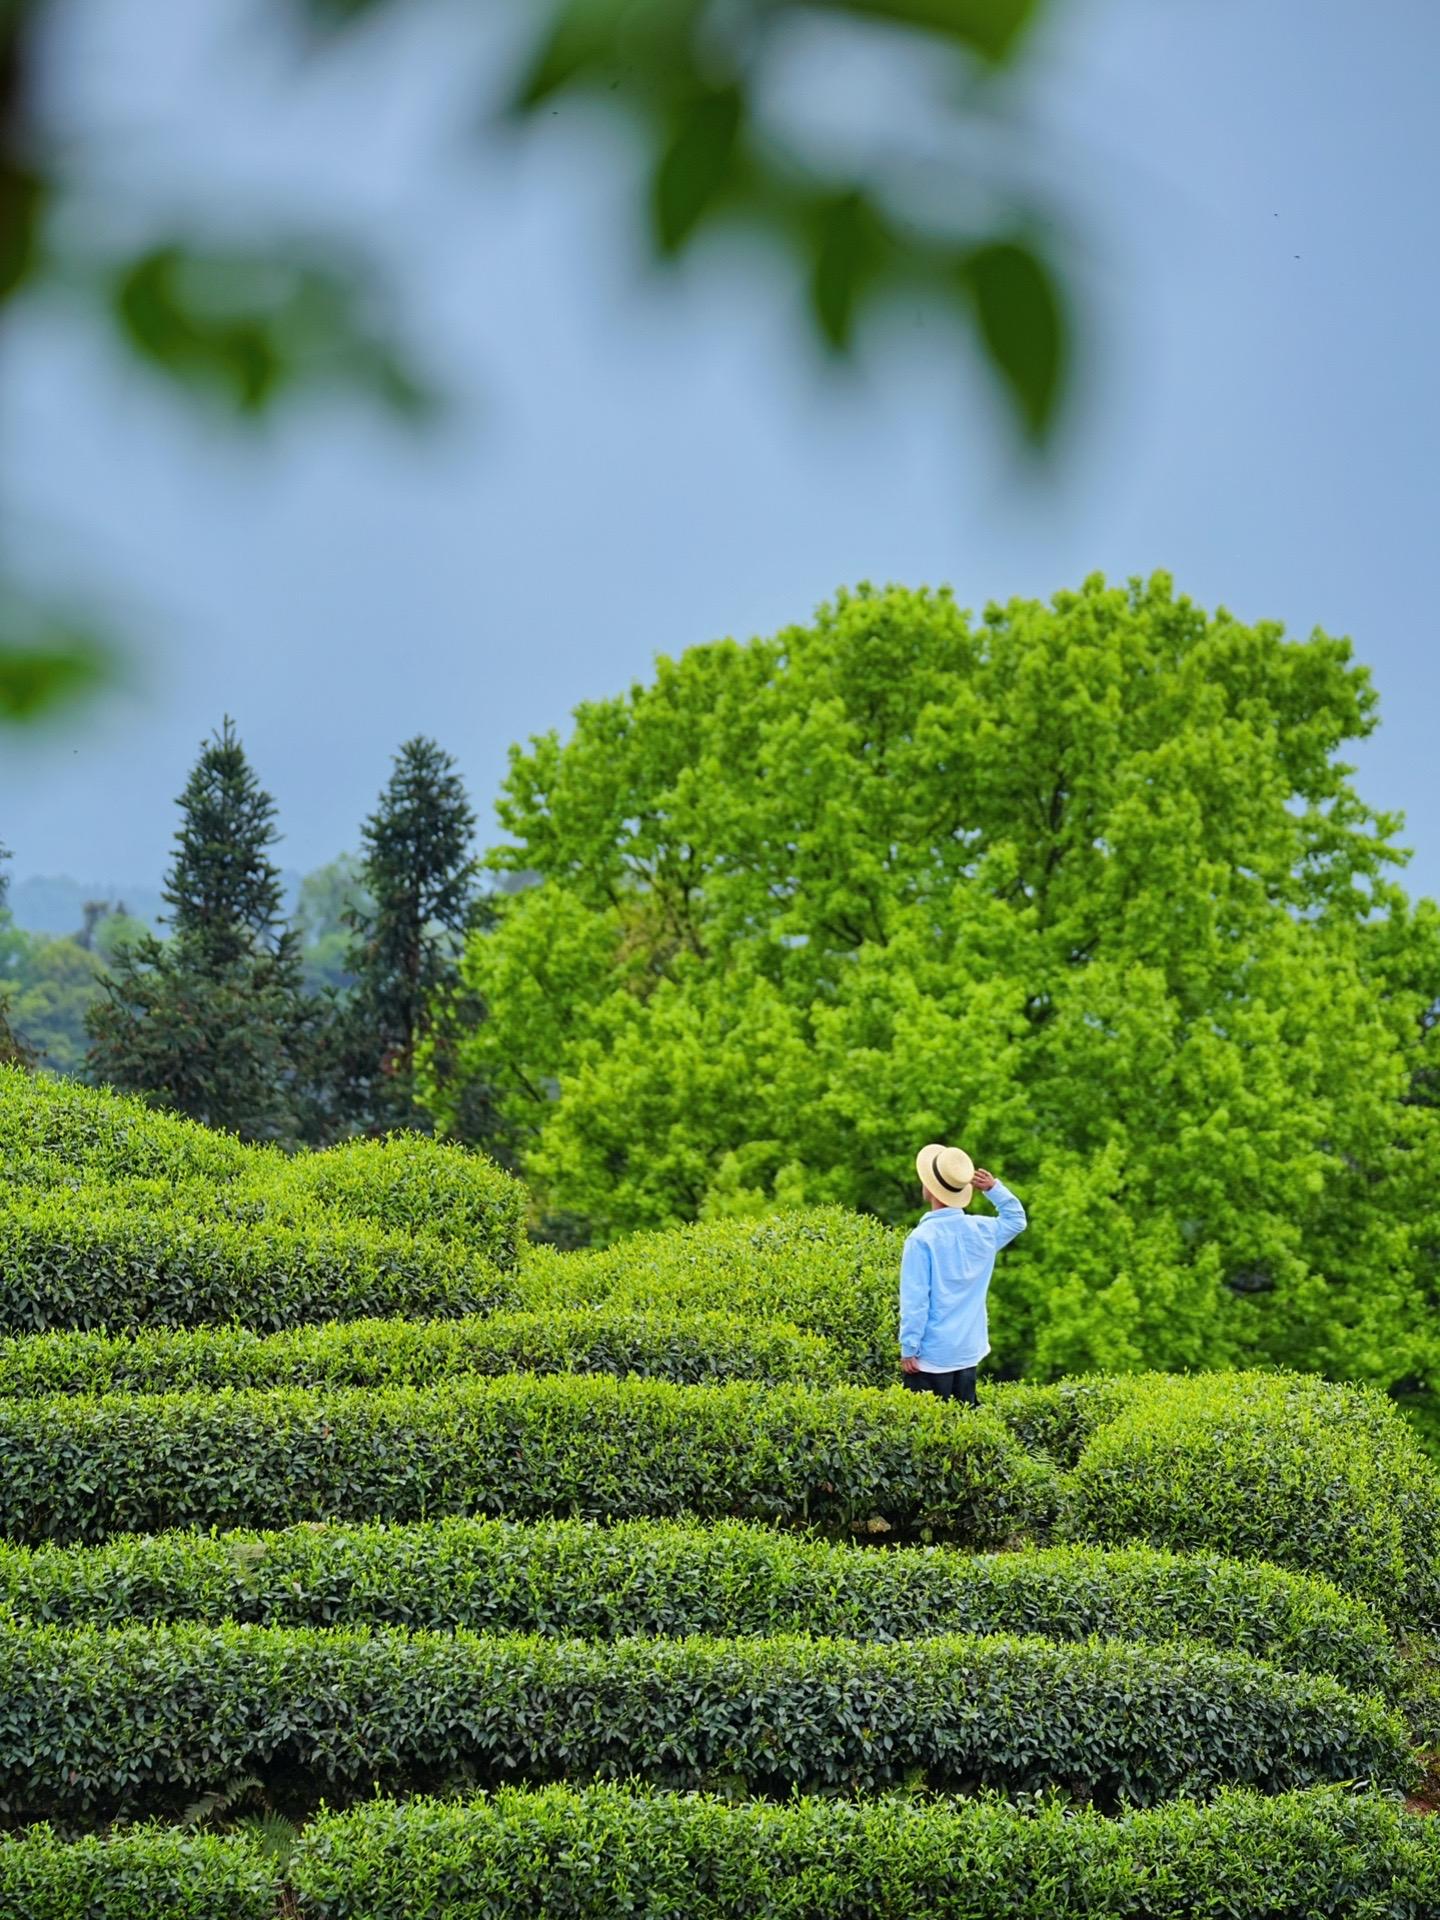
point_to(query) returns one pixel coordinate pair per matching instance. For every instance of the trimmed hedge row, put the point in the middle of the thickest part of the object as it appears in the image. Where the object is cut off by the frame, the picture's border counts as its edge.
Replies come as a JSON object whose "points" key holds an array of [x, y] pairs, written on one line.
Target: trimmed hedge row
{"points": [[78, 1469], [1316, 1478], [113, 1722], [570, 1578], [831, 1272], [592, 1853], [94, 1133], [1312, 1476], [146, 1874], [686, 1347], [59, 1135], [589, 1855], [407, 1183], [70, 1261]]}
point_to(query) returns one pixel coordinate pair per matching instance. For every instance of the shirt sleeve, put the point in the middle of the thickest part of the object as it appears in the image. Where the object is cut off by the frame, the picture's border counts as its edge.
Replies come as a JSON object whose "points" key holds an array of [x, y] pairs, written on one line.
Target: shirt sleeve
{"points": [[914, 1295], [1012, 1215]]}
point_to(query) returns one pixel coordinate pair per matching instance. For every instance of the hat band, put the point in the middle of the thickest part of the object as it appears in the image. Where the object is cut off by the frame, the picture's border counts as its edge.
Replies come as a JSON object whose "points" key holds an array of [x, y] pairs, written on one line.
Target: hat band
{"points": [[935, 1169]]}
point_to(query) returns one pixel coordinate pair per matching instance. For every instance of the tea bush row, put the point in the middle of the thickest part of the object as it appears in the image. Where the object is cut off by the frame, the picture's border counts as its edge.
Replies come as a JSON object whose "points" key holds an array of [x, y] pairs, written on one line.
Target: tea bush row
{"points": [[686, 1347], [145, 1874], [1315, 1478], [74, 1468], [592, 1854], [1305, 1473], [115, 1722], [574, 1579], [68, 1261], [74, 1131], [55, 1134], [831, 1272]]}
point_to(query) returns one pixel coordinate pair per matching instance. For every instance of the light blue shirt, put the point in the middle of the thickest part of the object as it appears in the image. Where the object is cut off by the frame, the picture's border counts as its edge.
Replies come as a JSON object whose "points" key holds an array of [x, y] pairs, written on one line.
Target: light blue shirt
{"points": [[944, 1278]]}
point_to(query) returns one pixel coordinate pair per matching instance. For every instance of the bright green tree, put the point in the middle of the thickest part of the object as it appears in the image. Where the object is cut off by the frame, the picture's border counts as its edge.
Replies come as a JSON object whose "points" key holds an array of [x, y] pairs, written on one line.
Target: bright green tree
{"points": [[212, 1022], [1082, 886]]}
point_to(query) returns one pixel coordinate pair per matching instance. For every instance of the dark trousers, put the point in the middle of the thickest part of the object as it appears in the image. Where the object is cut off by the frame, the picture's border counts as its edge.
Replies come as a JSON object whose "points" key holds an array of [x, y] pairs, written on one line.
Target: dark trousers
{"points": [[959, 1385]]}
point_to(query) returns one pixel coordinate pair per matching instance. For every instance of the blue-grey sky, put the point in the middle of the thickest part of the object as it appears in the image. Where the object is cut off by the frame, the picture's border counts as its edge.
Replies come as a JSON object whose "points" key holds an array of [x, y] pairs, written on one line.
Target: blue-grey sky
{"points": [[632, 466]]}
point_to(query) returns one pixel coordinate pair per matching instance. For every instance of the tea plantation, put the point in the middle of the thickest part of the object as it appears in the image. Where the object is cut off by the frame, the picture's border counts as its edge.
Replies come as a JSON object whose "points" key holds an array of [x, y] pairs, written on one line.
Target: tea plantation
{"points": [[358, 1562]]}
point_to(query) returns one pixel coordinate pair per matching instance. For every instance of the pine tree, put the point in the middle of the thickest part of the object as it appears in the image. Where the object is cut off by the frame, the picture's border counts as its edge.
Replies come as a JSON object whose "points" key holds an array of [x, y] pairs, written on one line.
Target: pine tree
{"points": [[212, 1021], [224, 888], [421, 881]]}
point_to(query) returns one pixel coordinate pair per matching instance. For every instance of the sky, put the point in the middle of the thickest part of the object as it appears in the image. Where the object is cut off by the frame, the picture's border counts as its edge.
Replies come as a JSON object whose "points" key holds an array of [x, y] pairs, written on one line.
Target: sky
{"points": [[632, 463]]}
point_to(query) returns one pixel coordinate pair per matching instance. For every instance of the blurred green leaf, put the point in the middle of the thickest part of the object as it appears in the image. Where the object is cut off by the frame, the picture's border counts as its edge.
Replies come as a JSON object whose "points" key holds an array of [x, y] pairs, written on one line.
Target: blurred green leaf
{"points": [[247, 326], [850, 243], [23, 198], [648, 46], [993, 28], [38, 675], [692, 168], [581, 39], [1023, 328], [328, 16]]}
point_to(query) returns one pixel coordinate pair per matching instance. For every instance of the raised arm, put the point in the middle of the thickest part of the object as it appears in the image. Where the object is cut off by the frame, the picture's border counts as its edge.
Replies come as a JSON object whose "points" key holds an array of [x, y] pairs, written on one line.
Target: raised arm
{"points": [[914, 1296], [1012, 1214]]}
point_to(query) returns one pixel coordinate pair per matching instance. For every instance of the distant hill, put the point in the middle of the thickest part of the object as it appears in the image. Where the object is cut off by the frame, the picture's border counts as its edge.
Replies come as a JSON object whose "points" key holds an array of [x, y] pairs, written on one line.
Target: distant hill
{"points": [[54, 903]]}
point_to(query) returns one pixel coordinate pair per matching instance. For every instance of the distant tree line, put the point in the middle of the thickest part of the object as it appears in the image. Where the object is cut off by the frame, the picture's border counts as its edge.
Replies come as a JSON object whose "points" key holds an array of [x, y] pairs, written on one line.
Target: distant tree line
{"points": [[298, 1032]]}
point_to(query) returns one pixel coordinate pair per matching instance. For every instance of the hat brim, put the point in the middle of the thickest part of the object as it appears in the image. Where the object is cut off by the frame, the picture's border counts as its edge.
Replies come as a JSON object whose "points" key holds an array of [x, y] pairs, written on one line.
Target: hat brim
{"points": [[934, 1182]]}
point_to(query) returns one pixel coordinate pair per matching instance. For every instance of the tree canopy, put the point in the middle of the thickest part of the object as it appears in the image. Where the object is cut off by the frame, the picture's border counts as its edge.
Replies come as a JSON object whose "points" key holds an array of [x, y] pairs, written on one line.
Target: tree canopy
{"points": [[211, 1022], [1081, 886]]}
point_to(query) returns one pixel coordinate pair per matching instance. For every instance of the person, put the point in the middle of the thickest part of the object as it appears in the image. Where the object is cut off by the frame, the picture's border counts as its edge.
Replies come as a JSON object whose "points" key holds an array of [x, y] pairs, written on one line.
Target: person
{"points": [[945, 1274]]}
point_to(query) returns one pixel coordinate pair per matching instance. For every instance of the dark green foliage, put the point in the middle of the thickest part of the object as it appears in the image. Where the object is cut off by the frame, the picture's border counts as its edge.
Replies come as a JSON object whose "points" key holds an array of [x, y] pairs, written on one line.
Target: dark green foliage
{"points": [[688, 1347], [223, 1045], [212, 1022], [419, 874], [77, 1469], [832, 1272], [144, 1874], [573, 1579], [110, 1721], [1323, 1855], [1321, 1478], [224, 890], [74, 1260]]}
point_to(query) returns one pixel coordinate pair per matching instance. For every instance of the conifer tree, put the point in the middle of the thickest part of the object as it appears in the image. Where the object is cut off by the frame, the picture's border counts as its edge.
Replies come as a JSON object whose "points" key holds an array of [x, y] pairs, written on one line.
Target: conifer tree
{"points": [[212, 1021], [419, 875]]}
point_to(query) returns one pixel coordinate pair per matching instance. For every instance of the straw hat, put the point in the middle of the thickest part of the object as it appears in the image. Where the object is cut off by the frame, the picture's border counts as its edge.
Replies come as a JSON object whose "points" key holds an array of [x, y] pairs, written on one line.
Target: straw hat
{"points": [[946, 1172]]}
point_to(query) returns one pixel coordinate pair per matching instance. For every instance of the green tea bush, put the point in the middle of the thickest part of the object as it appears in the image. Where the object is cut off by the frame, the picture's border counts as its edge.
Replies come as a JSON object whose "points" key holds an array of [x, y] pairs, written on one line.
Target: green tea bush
{"points": [[74, 1468], [1316, 1477], [1323, 1855], [88, 1133], [831, 1272], [60, 1136], [112, 1722], [407, 1183], [1058, 1419], [72, 1261], [686, 1347], [574, 1579], [145, 1874]]}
